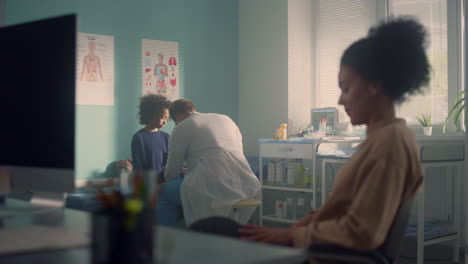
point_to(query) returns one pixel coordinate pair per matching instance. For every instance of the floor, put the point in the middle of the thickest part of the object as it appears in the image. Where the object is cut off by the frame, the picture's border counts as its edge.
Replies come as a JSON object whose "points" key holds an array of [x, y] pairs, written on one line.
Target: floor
{"points": [[434, 254]]}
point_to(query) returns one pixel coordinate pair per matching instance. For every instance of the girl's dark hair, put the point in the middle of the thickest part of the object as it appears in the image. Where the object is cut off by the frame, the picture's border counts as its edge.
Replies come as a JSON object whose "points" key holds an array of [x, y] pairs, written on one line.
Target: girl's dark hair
{"points": [[152, 105], [393, 54]]}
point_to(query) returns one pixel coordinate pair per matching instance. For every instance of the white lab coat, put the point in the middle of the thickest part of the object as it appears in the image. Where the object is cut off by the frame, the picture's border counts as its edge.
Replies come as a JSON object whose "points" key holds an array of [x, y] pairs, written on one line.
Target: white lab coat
{"points": [[218, 173]]}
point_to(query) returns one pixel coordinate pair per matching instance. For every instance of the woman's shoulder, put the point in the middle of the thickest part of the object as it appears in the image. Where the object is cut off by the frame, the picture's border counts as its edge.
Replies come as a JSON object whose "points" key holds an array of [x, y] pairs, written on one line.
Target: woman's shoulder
{"points": [[394, 140], [400, 133]]}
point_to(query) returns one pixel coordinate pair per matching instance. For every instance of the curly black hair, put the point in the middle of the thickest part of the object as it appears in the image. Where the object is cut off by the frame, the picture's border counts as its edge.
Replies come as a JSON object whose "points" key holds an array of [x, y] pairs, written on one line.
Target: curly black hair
{"points": [[152, 105], [393, 54]]}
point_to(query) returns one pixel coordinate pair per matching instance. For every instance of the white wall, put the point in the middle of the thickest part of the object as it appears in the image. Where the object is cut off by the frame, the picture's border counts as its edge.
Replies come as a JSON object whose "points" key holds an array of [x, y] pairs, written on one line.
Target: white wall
{"points": [[263, 69]]}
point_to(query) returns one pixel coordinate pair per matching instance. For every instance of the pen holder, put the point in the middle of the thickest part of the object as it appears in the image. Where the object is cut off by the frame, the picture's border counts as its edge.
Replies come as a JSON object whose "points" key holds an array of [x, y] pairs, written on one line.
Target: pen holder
{"points": [[120, 237]]}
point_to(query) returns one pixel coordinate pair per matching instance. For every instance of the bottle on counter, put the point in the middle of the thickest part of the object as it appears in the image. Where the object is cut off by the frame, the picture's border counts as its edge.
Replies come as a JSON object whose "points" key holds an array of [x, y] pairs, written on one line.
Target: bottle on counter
{"points": [[291, 174], [300, 170], [283, 131], [285, 210], [279, 173], [311, 206], [300, 210], [271, 177], [291, 208], [307, 178], [279, 209]]}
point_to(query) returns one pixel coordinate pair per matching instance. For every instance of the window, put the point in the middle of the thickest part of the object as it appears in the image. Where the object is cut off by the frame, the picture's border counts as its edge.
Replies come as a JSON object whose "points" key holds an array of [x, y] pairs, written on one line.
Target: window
{"points": [[340, 23], [433, 15], [299, 64]]}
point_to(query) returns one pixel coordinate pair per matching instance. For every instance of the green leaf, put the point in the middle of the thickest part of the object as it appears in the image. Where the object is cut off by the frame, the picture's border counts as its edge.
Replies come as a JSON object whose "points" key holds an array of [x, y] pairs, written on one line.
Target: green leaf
{"points": [[457, 115], [424, 120], [457, 108], [454, 107], [420, 121]]}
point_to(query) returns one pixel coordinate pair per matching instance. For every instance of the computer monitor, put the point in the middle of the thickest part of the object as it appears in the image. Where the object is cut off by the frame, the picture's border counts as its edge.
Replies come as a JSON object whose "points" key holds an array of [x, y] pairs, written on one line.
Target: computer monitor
{"points": [[37, 109]]}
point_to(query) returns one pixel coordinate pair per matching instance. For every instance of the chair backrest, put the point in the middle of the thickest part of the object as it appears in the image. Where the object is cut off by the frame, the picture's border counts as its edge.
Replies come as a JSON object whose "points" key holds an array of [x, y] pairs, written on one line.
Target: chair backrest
{"points": [[391, 246]]}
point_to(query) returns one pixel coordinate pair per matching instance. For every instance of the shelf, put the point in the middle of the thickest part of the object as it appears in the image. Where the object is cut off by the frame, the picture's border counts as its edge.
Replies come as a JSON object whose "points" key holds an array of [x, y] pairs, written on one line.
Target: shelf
{"points": [[288, 189], [435, 230], [279, 220]]}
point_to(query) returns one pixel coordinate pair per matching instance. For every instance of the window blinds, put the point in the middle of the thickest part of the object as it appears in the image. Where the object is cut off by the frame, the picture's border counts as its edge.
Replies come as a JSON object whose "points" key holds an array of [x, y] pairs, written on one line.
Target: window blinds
{"points": [[341, 22], [299, 64], [433, 15]]}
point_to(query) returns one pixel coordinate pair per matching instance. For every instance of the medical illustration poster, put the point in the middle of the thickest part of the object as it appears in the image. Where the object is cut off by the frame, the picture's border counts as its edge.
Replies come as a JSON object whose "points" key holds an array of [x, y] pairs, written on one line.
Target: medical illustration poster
{"points": [[160, 68], [95, 70]]}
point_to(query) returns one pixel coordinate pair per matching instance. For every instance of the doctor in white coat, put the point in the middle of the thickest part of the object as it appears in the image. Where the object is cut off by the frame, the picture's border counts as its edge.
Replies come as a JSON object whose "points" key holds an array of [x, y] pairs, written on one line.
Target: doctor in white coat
{"points": [[218, 173]]}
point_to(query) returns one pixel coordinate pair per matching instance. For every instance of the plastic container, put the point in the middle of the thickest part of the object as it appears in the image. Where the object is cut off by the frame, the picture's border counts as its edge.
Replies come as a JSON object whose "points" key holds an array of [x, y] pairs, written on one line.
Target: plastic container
{"points": [[285, 210], [300, 210], [271, 173], [311, 205], [283, 131], [291, 174], [307, 178], [279, 173], [300, 170], [124, 181], [279, 209], [291, 208]]}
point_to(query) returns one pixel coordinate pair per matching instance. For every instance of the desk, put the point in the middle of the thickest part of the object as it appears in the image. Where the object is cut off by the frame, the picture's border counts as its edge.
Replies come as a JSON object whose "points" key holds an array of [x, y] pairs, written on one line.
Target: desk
{"points": [[173, 246]]}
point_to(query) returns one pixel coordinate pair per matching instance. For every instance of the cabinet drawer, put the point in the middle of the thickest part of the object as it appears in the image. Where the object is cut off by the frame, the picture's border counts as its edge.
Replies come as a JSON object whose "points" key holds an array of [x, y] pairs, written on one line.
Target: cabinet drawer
{"points": [[290, 151]]}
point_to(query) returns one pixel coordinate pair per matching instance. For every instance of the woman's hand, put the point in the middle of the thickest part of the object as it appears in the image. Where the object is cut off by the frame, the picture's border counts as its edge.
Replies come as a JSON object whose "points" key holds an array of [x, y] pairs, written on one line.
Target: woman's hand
{"points": [[277, 236], [305, 220]]}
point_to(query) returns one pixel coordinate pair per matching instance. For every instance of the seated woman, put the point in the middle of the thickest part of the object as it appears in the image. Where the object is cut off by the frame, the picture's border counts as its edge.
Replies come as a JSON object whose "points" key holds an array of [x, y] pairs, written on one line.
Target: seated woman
{"points": [[150, 150], [376, 73]]}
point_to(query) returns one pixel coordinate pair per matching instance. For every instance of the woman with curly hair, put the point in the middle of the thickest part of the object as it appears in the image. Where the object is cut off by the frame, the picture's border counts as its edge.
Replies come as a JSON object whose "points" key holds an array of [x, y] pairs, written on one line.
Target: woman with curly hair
{"points": [[377, 72]]}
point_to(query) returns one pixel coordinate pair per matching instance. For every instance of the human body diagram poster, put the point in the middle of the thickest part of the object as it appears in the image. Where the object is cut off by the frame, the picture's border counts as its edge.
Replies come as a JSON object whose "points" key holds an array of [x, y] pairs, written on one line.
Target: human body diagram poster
{"points": [[95, 70], [160, 68]]}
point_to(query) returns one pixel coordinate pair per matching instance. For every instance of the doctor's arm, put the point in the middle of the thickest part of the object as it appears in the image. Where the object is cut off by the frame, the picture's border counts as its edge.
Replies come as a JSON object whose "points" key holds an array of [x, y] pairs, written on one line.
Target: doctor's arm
{"points": [[176, 157]]}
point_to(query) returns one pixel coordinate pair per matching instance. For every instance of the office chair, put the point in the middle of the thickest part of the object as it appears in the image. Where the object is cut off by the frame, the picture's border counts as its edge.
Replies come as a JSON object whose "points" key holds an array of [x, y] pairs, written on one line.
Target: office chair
{"points": [[387, 254]]}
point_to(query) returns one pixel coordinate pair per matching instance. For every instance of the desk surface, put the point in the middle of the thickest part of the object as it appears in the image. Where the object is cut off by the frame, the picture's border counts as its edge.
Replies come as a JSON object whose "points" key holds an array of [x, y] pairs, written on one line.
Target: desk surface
{"points": [[172, 246]]}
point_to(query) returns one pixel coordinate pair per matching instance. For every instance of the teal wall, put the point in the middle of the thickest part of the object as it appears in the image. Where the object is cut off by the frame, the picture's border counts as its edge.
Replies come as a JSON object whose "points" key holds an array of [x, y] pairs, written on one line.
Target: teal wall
{"points": [[207, 31]]}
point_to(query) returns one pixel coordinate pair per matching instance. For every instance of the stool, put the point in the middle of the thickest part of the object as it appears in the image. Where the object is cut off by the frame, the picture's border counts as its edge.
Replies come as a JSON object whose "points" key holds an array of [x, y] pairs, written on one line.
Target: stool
{"points": [[245, 204]]}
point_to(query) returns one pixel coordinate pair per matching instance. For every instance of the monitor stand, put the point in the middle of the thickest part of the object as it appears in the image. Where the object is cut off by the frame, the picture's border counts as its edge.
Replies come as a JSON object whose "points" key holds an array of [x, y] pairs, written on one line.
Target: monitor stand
{"points": [[53, 201], [48, 199], [46, 208], [40, 199]]}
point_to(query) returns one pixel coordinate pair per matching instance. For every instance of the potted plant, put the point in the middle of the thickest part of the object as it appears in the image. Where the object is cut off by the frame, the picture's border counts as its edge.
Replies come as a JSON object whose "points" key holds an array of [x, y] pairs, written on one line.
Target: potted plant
{"points": [[457, 109], [425, 121]]}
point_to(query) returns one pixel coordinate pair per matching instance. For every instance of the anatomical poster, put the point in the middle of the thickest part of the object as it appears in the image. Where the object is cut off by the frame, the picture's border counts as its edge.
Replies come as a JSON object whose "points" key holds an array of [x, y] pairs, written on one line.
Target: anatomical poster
{"points": [[160, 68], [95, 70]]}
